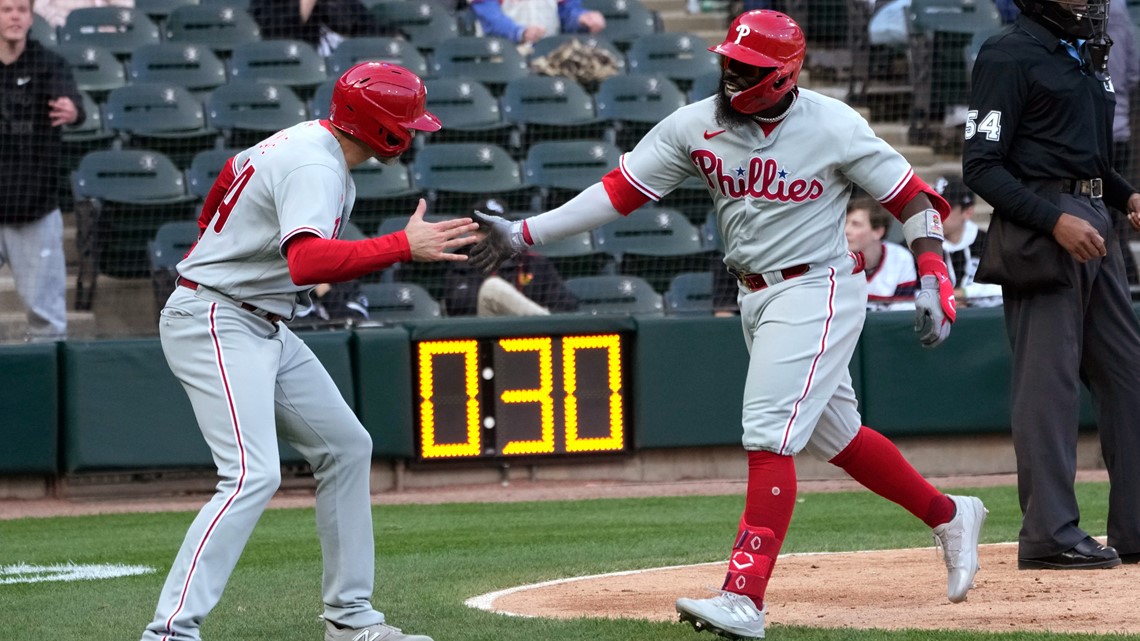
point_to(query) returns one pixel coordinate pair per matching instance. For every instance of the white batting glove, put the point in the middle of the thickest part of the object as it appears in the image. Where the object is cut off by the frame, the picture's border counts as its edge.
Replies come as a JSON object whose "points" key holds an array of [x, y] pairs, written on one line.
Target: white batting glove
{"points": [[934, 305]]}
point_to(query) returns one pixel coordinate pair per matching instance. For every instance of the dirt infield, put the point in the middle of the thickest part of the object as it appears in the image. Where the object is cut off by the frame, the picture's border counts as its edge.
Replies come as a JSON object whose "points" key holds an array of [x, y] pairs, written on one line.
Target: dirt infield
{"points": [[884, 590]]}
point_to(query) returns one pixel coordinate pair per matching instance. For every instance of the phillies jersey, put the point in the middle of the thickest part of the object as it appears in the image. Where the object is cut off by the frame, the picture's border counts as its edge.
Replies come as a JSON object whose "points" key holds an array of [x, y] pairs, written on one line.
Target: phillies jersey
{"points": [[270, 200], [780, 199]]}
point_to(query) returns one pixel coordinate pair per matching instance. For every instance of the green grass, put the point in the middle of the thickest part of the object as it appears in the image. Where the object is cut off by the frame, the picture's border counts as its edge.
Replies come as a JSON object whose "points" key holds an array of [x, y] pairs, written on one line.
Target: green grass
{"points": [[433, 557]]}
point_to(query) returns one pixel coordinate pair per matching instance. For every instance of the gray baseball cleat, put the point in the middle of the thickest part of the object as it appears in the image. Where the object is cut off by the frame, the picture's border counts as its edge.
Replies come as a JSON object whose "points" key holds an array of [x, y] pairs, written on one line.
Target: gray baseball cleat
{"points": [[377, 632], [730, 615], [959, 542]]}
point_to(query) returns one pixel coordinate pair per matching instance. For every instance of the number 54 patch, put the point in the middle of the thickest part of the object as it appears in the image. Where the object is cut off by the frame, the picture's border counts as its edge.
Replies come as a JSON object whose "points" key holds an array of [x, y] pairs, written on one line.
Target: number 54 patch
{"points": [[990, 125]]}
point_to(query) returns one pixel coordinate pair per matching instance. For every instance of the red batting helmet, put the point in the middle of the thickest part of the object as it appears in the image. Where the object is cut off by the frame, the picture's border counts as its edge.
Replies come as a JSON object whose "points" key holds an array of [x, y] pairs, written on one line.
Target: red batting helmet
{"points": [[378, 103], [767, 39]]}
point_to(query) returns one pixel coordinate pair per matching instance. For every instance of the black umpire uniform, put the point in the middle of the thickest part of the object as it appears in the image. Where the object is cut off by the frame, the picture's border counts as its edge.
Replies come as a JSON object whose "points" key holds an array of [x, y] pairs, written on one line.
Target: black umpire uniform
{"points": [[1039, 145]]}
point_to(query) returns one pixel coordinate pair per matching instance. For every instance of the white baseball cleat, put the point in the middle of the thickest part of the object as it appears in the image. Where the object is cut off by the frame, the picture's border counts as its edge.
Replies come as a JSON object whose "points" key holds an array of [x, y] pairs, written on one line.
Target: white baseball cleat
{"points": [[959, 542], [730, 615], [377, 632]]}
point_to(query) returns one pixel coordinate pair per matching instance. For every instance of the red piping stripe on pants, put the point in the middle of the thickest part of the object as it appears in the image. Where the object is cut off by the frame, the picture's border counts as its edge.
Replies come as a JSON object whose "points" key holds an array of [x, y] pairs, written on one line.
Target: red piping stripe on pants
{"points": [[815, 361], [241, 476]]}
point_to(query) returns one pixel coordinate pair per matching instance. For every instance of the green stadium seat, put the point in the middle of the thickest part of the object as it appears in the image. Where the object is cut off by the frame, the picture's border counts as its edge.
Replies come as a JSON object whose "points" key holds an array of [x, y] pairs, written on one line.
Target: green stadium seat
{"points": [[382, 191], [170, 244], [574, 255], [562, 169], [122, 198], [690, 294], [204, 169], [246, 113], [634, 102], [291, 63], [159, 116], [454, 175], [654, 243], [490, 60], [550, 108], [609, 294], [193, 66], [398, 302], [379, 49], [96, 70], [120, 30], [219, 27], [468, 111], [158, 10], [704, 86], [679, 56]]}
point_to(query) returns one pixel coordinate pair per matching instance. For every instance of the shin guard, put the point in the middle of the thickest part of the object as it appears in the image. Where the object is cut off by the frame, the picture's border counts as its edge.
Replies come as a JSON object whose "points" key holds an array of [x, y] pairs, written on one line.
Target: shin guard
{"points": [[750, 565]]}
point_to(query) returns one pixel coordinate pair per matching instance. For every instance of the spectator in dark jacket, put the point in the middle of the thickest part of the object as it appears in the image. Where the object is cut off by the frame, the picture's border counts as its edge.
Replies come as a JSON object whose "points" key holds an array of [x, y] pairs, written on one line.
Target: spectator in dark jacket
{"points": [[38, 98]]}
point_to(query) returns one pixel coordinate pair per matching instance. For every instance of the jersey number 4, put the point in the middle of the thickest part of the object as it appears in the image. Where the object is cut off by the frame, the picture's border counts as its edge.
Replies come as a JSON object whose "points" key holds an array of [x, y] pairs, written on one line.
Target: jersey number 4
{"points": [[230, 199], [990, 125]]}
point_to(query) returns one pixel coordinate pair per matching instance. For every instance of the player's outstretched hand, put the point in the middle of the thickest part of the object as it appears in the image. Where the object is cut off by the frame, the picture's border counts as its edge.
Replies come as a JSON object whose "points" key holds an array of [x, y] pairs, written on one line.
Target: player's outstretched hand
{"points": [[433, 241], [934, 307], [501, 241]]}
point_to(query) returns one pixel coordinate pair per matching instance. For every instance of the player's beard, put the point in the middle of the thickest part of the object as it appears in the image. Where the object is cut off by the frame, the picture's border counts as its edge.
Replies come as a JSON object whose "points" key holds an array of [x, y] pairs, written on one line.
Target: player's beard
{"points": [[727, 116]]}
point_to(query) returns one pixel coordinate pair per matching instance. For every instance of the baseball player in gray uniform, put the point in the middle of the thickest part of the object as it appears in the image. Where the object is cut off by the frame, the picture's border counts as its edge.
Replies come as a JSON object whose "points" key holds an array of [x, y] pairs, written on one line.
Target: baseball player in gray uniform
{"points": [[268, 235], [779, 163]]}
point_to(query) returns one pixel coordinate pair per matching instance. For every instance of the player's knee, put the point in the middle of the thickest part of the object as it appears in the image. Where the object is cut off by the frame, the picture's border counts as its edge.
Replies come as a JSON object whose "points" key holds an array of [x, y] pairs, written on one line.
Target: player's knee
{"points": [[263, 483]]}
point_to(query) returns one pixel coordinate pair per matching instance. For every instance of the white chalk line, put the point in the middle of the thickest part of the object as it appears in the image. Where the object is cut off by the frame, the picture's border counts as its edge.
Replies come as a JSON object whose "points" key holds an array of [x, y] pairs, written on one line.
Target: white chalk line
{"points": [[28, 573]]}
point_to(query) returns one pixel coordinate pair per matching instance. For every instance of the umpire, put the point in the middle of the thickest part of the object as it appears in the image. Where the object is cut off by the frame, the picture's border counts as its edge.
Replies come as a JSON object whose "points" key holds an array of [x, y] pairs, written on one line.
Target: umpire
{"points": [[1039, 149]]}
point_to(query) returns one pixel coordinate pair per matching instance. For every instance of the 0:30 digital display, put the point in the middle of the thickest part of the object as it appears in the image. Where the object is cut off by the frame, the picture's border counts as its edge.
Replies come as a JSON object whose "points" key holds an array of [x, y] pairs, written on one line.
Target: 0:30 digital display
{"points": [[527, 396]]}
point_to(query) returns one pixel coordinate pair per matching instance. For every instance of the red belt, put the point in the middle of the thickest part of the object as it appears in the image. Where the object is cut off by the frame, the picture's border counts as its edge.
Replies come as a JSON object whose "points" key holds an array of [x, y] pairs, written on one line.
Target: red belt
{"points": [[756, 282], [269, 316]]}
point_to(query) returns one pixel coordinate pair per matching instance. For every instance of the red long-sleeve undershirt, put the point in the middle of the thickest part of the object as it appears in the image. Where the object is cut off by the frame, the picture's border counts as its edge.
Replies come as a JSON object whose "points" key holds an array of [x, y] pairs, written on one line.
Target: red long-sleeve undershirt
{"points": [[314, 260]]}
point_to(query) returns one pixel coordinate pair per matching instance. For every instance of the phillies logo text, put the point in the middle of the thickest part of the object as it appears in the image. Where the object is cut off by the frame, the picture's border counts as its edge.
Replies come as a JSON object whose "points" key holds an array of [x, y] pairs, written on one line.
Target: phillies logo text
{"points": [[762, 179]]}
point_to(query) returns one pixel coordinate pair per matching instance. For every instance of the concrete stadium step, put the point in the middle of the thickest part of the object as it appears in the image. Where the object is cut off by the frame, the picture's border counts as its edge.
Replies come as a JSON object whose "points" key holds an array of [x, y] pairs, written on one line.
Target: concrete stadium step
{"points": [[13, 326], [10, 299], [675, 16]]}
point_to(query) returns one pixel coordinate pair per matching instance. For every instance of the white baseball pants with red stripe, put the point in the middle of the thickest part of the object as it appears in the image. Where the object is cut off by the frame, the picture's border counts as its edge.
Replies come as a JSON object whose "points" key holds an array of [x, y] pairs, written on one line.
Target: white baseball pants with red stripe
{"points": [[801, 334], [251, 382]]}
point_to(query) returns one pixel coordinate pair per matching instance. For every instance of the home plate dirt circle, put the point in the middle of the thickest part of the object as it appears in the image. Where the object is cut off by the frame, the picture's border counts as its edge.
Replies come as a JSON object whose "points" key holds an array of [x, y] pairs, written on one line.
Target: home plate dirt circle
{"points": [[889, 589]]}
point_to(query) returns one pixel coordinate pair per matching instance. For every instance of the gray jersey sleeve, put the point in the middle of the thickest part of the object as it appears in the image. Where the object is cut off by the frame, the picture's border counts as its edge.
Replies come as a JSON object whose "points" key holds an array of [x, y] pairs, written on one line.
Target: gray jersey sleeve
{"points": [[660, 160], [309, 199], [874, 165]]}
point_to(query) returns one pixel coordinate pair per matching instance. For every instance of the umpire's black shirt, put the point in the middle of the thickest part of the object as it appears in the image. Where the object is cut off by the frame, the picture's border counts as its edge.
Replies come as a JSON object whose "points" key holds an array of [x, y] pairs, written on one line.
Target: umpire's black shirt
{"points": [[30, 148], [1034, 114]]}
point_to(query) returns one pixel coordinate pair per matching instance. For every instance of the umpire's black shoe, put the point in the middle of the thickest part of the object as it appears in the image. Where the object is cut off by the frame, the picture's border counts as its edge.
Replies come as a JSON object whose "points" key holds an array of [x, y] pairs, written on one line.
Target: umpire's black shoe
{"points": [[1130, 558], [1086, 555]]}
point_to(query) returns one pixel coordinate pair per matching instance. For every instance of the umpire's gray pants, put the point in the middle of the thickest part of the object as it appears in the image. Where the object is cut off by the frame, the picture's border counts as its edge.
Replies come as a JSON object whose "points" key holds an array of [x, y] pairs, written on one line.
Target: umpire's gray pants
{"points": [[1061, 339]]}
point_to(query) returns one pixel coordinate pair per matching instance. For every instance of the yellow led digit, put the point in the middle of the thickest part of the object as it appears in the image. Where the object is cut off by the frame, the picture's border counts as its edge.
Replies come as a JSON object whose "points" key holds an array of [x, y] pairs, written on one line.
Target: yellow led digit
{"points": [[612, 344], [544, 395], [428, 350]]}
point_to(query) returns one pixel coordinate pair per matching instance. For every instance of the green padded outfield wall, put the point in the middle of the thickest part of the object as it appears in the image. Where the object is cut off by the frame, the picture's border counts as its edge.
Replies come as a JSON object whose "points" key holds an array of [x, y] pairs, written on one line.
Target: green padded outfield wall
{"points": [[29, 410], [124, 409], [383, 389], [961, 386], [690, 381]]}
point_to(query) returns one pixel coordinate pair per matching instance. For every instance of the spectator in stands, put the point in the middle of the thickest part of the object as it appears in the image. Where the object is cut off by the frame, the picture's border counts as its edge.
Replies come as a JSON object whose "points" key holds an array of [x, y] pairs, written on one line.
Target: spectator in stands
{"points": [[963, 244], [55, 11], [527, 21], [1124, 69], [891, 275], [38, 99], [526, 285], [324, 24]]}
